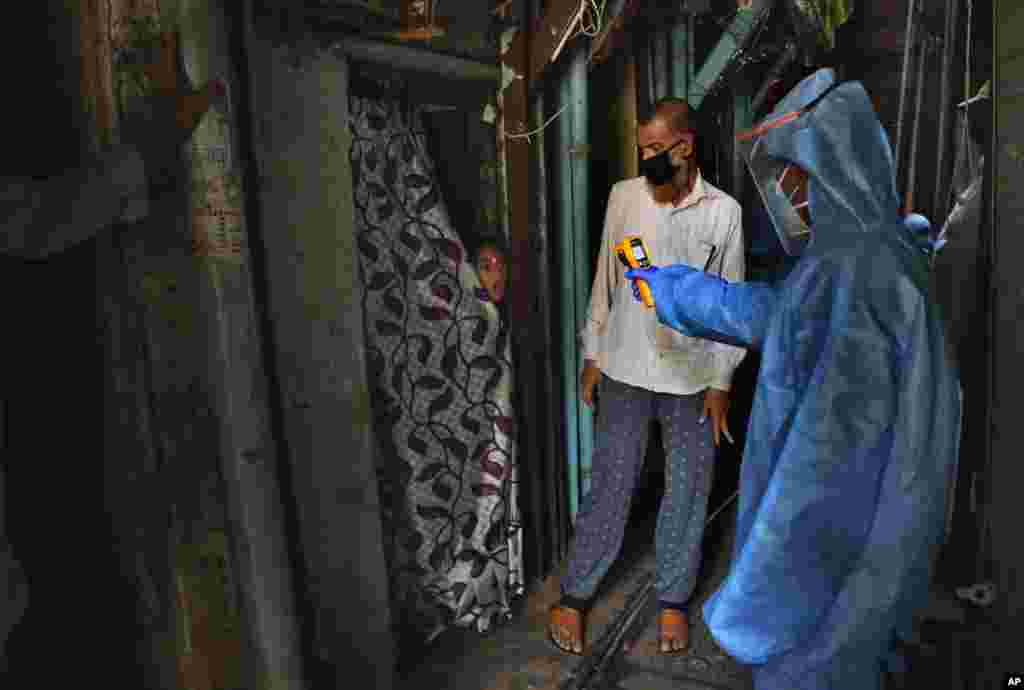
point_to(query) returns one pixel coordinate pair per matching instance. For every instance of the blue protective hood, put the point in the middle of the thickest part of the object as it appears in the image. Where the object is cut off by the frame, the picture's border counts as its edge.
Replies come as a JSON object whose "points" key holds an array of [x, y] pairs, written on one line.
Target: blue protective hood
{"points": [[844, 149]]}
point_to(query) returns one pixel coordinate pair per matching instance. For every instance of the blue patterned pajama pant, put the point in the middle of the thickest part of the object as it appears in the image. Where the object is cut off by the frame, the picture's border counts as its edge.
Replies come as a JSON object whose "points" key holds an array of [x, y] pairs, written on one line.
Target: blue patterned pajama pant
{"points": [[623, 423]]}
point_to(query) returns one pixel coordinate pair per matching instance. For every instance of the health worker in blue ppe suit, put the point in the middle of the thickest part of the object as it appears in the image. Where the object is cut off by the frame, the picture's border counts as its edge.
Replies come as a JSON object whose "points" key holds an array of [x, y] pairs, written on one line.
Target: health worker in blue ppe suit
{"points": [[855, 423]]}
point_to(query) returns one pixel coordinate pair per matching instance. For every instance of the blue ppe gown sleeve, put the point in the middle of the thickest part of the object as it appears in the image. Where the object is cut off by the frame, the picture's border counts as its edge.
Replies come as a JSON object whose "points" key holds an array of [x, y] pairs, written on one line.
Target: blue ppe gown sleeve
{"points": [[703, 306], [834, 350]]}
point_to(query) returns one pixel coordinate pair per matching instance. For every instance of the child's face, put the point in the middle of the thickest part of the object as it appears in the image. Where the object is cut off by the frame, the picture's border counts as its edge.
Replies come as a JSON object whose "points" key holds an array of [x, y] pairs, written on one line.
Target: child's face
{"points": [[491, 266]]}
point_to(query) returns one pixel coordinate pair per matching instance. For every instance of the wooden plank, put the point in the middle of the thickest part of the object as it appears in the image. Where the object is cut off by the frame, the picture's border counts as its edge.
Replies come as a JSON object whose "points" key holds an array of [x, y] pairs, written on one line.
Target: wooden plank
{"points": [[515, 113], [527, 334], [97, 85]]}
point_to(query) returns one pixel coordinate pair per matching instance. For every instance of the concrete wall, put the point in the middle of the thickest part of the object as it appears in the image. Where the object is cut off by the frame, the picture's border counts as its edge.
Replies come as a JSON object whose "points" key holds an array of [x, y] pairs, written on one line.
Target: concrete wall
{"points": [[1006, 474], [299, 101], [190, 468]]}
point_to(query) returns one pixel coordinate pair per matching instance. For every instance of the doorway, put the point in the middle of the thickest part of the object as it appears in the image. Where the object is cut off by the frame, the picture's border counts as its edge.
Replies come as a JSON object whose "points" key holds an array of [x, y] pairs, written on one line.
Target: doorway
{"points": [[81, 622]]}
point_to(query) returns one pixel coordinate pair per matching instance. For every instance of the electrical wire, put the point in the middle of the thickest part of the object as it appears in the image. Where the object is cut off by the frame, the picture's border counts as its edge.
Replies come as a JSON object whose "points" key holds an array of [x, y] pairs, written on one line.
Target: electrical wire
{"points": [[588, 25], [590, 10], [591, 21], [538, 130]]}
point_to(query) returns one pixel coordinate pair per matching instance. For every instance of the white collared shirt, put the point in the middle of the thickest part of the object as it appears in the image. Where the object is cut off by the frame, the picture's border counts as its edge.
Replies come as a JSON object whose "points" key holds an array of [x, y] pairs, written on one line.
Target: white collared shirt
{"points": [[622, 335]]}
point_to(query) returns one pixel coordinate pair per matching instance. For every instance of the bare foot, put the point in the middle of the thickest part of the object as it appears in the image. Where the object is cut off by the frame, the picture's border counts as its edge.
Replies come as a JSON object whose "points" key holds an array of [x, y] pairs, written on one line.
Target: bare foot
{"points": [[673, 631], [566, 628]]}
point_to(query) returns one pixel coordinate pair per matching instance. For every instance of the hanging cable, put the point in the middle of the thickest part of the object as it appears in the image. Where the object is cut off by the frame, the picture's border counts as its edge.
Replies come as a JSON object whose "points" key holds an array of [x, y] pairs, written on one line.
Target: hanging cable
{"points": [[591, 20], [925, 48], [538, 130], [588, 27]]}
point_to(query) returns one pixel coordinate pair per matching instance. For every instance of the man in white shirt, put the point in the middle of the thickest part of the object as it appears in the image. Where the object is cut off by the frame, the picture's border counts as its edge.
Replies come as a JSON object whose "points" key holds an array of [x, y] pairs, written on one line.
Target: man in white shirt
{"points": [[646, 371]]}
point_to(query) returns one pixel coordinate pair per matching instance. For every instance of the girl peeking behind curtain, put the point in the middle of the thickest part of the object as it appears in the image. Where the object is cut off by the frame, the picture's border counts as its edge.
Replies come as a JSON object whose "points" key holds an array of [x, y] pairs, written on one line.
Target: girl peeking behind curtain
{"points": [[491, 266]]}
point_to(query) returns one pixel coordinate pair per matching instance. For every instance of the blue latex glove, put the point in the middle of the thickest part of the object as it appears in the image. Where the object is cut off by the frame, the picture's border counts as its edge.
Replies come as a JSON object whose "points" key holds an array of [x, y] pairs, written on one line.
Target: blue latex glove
{"points": [[655, 277], [705, 306]]}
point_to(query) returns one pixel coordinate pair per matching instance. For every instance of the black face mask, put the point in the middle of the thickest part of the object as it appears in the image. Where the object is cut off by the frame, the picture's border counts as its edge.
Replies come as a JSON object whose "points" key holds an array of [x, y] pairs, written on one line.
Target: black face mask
{"points": [[658, 169]]}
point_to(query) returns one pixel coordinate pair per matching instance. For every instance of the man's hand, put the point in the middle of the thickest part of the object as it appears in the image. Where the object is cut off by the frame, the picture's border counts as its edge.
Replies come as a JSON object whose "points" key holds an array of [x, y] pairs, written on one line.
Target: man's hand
{"points": [[591, 377], [716, 406]]}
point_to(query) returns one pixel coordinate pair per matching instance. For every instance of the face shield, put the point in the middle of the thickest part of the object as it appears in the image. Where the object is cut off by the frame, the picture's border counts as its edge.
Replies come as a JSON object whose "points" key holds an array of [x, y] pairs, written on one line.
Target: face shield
{"points": [[781, 184]]}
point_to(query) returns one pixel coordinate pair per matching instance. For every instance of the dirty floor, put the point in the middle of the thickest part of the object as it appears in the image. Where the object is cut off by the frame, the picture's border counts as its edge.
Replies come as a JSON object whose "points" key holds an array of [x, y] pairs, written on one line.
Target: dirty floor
{"points": [[516, 655]]}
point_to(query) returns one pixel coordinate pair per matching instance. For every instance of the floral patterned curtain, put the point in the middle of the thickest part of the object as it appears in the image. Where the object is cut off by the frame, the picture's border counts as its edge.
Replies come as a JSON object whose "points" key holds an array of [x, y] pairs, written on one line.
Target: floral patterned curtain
{"points": [[441, 385]]}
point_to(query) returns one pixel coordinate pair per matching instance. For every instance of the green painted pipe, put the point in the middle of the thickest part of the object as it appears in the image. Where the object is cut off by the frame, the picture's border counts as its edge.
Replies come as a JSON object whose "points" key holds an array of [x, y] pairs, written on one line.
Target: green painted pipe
{"points": [[722, 55], [567, 302], [579, 91], [574, 229]]}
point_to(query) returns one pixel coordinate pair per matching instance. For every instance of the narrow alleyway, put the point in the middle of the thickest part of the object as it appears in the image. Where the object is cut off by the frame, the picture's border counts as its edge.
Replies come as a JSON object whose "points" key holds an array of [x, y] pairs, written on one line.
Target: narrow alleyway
{"points": [[517, 655]]}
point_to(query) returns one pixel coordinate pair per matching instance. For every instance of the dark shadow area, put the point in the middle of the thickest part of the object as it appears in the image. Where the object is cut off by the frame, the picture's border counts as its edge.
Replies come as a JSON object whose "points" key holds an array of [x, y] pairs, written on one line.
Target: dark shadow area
{"points": [[82, 619], [81, 622]]}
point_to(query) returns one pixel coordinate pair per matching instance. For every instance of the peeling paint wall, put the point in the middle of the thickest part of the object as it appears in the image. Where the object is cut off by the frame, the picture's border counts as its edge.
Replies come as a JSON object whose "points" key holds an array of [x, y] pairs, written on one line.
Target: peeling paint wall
{"points": [[190, 463], [302, 141]]}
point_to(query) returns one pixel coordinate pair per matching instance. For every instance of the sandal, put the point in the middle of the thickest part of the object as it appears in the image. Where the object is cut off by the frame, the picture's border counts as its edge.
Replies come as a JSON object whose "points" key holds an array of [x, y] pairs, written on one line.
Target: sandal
{"points": [[673, 627], [566, 618]]}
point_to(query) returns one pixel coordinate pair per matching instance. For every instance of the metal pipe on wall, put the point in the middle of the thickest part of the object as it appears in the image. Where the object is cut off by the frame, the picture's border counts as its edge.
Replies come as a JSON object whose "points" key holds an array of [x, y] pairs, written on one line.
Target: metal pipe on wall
{"points": [[567, 303], [908, 41], [925, 49], [545, 345], [574, 203], [725, 51], [940, 201], [579, 89], [566, 268], [540, 227]]}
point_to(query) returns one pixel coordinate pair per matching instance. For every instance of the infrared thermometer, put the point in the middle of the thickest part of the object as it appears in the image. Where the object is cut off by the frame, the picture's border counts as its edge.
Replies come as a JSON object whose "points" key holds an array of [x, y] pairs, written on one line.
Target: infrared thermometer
{"points": [[633, 254]]}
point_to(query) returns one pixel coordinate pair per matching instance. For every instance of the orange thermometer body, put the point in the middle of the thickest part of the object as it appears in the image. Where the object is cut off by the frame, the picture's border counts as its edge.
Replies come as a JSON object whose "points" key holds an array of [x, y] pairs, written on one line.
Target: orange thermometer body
{"points": [[633, 254]]}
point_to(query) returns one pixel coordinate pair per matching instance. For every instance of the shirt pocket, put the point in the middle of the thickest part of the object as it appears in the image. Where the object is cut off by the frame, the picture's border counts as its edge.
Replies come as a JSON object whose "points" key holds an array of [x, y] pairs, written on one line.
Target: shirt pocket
{"points": [[707, 256]]}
